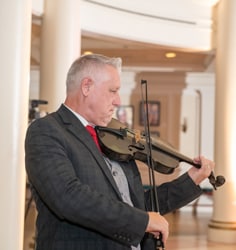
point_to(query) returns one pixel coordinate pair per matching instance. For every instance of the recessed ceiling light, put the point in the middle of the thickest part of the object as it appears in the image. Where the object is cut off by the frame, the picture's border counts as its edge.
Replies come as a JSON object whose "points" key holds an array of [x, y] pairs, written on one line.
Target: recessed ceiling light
{"points": [[87, 53], [170, 55]]}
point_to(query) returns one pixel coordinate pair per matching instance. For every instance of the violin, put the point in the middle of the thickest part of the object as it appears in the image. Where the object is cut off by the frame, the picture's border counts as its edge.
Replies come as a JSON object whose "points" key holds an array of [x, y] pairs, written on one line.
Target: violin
{"points": [[120, 143]]}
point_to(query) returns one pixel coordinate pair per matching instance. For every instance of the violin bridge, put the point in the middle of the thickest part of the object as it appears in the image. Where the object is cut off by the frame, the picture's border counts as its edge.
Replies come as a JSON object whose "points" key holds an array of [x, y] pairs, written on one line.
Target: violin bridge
{"points": [[137, 136]]}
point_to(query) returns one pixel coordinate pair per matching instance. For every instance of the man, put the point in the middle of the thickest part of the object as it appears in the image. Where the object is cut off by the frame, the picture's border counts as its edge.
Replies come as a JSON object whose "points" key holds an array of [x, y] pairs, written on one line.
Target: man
{"points": [[84, 199]]}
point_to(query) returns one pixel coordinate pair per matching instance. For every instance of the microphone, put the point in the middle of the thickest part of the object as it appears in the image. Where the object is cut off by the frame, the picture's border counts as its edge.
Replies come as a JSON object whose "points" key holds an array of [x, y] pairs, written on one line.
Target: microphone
{"points": [[34, 113], [35, 103]]}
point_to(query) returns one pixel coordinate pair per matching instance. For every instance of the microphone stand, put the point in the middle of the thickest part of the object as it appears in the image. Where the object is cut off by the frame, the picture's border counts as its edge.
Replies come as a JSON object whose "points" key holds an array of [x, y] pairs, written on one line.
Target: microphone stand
{"points": [[150, 241]]}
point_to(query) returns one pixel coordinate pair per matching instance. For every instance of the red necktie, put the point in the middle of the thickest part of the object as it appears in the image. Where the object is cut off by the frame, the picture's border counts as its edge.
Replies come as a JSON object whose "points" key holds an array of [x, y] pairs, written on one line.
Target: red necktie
{"points": [[93, 133]]}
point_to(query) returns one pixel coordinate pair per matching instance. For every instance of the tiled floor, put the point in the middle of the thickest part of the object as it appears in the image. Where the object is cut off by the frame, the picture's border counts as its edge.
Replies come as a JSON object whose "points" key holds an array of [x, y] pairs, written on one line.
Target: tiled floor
{"points": [[187, 230]]}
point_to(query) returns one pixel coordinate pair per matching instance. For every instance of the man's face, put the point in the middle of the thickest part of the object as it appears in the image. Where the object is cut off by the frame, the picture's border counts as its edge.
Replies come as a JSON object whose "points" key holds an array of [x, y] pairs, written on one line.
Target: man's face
{"points": [[104, 96]]}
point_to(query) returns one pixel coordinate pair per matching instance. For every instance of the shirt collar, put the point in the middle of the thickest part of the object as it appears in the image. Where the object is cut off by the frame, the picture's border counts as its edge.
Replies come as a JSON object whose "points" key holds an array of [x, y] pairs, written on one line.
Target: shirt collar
{"points": [[81, 118]]}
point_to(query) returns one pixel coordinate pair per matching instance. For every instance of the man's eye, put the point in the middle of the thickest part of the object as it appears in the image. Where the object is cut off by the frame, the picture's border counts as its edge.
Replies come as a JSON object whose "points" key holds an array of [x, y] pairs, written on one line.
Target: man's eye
{"points": [[113, 90]]}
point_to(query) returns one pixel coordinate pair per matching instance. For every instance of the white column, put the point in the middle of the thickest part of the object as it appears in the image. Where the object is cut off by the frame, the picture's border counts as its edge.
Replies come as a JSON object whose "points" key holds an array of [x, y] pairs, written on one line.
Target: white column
{"points": [[60, 46], [222, 227], [15, 29]]}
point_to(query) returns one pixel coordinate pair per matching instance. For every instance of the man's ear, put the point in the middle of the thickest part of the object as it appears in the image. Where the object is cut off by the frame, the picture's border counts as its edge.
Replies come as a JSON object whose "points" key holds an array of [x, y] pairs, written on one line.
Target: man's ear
{"points": [[85, 85]]}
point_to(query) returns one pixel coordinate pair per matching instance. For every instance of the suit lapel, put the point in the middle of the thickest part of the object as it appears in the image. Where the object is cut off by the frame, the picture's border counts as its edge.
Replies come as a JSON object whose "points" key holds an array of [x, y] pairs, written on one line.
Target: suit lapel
{"points": [[75, 127]]}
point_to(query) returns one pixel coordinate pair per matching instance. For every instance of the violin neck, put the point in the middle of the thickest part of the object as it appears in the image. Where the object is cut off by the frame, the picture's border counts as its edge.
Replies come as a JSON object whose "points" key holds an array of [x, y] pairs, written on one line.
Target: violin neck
{"points": [[172, 152]]}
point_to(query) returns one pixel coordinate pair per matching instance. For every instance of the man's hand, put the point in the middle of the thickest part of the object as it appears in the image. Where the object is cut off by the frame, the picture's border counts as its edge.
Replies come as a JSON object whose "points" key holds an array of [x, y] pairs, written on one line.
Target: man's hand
{"points": [[200, 174], [158, 224]]}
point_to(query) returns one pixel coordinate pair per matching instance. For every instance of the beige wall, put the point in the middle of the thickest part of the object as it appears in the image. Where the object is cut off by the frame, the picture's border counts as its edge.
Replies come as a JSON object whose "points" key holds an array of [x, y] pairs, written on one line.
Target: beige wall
{"points": [[165, 88]]}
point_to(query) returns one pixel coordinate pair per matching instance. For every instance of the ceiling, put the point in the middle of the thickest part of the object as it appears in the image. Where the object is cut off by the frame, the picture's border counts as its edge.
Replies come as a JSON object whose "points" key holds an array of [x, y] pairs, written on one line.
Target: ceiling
{"points": [[135, 56], [147, 57]]}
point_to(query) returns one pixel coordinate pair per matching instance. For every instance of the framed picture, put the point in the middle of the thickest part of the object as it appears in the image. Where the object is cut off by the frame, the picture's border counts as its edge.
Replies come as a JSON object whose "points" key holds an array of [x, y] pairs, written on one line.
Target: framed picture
{"points": [[125, 114], [154, 108]]}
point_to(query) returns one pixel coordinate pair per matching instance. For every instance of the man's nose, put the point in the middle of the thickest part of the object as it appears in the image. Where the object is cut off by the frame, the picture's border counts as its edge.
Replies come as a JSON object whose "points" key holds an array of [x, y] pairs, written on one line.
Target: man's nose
{"points": [[117, 100]]}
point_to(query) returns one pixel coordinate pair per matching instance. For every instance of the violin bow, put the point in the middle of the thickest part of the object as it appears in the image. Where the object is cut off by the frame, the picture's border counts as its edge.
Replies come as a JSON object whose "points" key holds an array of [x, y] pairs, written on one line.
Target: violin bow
{"points": [[157, 243]]}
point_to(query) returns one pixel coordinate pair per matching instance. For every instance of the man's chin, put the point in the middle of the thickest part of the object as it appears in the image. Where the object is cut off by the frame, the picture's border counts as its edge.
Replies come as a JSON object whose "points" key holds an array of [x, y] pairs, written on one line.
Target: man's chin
{"points": [[105, 122]]}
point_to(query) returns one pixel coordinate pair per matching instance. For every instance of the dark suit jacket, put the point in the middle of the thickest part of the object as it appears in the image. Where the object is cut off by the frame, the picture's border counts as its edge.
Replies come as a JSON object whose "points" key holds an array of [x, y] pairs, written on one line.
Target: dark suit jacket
{"points": [[79, 205]]}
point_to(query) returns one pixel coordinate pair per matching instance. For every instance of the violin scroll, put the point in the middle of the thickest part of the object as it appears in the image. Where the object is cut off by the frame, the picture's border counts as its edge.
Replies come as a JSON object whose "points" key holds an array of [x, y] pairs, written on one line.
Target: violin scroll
{"points": [[216, 181]]}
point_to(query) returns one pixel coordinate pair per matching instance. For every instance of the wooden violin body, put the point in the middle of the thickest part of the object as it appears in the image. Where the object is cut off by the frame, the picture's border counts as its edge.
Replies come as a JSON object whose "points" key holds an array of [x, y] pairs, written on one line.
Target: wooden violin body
{"points": [[122, 144]]}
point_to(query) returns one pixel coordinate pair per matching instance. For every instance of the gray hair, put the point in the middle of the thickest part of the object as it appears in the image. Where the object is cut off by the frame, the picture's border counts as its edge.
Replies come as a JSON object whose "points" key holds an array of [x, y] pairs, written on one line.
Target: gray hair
{"points": [[87, 66]]}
